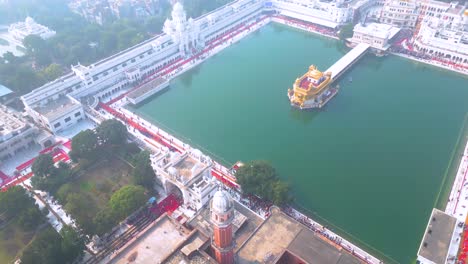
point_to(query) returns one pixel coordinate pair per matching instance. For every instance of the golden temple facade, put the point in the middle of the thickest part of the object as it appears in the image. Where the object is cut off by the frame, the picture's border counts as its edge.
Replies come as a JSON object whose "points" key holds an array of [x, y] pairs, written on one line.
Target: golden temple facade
{"points": [[308, 90]]}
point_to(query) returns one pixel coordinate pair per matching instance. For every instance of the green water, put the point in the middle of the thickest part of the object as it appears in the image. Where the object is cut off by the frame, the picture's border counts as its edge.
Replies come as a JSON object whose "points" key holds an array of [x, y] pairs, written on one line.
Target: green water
{"points": [[370, 163]]}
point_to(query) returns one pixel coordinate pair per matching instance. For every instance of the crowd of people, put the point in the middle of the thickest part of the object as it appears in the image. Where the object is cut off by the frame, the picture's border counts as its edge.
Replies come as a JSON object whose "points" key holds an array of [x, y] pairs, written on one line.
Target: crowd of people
{"points": [[402, 45]]}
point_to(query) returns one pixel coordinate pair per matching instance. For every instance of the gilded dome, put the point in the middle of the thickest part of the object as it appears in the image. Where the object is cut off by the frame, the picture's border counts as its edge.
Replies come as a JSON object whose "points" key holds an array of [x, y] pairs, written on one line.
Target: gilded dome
{"points": [[222, 202], [316, 74]]}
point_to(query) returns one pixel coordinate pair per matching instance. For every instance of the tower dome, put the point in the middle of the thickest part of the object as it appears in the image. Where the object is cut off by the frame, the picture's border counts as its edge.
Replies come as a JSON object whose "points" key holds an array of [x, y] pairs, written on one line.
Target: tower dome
{"points": [[178, 11], [222, 202]]}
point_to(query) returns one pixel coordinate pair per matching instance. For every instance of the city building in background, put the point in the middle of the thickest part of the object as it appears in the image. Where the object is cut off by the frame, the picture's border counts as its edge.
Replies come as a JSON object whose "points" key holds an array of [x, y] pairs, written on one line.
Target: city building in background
{"points": [[20, 30]]}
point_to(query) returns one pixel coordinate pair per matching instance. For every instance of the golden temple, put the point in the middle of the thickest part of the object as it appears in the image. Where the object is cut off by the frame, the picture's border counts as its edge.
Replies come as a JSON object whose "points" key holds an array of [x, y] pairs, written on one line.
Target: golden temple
{"points": [[311, 89]]}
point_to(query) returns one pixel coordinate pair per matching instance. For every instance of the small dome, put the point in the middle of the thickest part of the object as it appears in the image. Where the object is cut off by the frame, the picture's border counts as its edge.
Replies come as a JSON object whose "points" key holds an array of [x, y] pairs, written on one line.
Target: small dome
{"points": [[172, 171], [197, 153], [29, 20], [222, 202], [177, 10], [315, 74]]}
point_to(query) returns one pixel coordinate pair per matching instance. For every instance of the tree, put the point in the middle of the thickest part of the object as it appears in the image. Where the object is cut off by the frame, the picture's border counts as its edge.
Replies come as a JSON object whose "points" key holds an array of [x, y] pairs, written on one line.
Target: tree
{"points": [[37, 48], [78, 205], [30, 218], [15, 200], [63, 192], [10, 57], [45, 249], [104, 221], [112, 132], [51, 248], [260, 178], [43, 165], [52, 181], [52, 72], [143, 173], [84, 145], [73, 245], [126, 200], [33, 44], [346, 31], [256, 177], [81, 207], [280, 193]]}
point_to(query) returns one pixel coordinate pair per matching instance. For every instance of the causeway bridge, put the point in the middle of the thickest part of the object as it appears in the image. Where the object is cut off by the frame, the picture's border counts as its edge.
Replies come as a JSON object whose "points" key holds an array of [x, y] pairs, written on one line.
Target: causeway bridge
{"points": [[347, 60]]}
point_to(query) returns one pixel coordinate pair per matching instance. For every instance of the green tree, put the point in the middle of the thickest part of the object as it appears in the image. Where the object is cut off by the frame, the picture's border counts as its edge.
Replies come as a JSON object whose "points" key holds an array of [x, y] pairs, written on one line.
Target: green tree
{"points": [[72, 245], [54, 180], [346, 31], [38, 49], [143, 173], [15, 200], [126, 200], [256, 177], [84, 145], [10, 57], [63, 192], [30, 218], [23, 79], [51, 248], [52, 72], [17, 203], [43, 165], [33, 44], [81, 207], [46, 248], [260, 178], [77, 204], [104, 221], [280, 193], [112, 132]]}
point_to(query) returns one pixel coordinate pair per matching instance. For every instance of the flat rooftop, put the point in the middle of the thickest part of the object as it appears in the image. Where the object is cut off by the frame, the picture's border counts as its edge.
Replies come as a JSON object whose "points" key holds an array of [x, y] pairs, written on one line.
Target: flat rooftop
{"points": [[156, 244], [188, 167], [146, 88], [383, 31], [56, 108], [436, 241], [280, 233], [10, 121]]}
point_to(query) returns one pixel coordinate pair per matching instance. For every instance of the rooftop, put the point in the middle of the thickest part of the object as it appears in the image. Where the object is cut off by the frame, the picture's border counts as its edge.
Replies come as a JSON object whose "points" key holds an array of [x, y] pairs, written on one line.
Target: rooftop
{"points": [[383, 31], [156, 244], [436, 241], [10, 122], [56, 108], [146, 88], [279, 234], [186, 168]]}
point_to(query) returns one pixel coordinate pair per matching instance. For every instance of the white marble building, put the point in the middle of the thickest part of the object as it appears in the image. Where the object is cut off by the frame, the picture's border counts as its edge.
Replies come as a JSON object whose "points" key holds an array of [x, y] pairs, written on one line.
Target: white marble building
{"points": [[188, 174], [20, 30], [445, 42], [17, 134], [375, 34], [329, 14], [400, 13]]}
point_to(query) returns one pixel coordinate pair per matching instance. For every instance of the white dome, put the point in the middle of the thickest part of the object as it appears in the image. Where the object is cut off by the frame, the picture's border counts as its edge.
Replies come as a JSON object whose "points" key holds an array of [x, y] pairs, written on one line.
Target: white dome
{"points": [[172, 171], [196, 153], [29, 20], [222, 202], [177, 10]]}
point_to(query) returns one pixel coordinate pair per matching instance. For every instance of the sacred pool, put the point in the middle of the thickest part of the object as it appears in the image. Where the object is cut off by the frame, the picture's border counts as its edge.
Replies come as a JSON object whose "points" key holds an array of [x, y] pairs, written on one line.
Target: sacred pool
{"points": [[370, 164]]}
